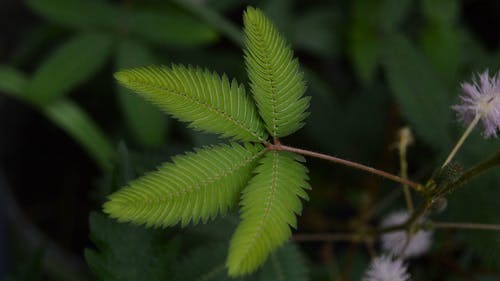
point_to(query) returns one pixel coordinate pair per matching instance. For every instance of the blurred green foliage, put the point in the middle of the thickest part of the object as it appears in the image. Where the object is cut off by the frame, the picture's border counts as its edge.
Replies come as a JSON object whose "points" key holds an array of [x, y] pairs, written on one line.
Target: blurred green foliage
{"points": [[372, 66]]}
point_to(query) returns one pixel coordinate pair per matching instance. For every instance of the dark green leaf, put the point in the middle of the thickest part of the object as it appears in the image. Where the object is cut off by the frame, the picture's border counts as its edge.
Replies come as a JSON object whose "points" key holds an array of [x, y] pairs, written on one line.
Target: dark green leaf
{"points": [[318, 31], [81, 14], [129, 253], [285, 264], [70, 65], [12, 81], [443, 46], [147, 123], [170, 28], [392, 13], [206, 263], [443, 12], [363, 51], [424, 100]]}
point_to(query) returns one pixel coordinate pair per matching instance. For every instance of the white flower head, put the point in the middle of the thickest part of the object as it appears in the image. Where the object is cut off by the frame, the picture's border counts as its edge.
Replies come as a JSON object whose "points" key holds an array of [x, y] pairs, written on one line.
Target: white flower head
{"points": [[395, 242], [481, 98], [385, 268]]}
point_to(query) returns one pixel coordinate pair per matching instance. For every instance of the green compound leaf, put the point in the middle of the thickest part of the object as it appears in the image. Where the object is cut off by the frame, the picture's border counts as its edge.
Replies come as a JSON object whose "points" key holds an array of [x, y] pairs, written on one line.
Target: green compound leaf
{"points": [[269, 205], [71, 64], [277, 84], [196, 186], [211, 103]]}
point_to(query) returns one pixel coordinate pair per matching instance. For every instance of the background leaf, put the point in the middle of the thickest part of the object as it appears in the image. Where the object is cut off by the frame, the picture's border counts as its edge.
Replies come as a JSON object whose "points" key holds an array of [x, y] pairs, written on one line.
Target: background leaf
{"points": [[149, 254], [284, 264], [81, 14], [169, 28], [147, 123], [71, 64], [424, 100], [12, 81], [77, 124]]}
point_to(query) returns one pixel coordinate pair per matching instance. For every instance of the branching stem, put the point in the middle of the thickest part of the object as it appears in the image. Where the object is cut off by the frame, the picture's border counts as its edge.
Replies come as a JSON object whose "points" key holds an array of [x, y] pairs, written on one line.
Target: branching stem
{"points": [[355, 165]]}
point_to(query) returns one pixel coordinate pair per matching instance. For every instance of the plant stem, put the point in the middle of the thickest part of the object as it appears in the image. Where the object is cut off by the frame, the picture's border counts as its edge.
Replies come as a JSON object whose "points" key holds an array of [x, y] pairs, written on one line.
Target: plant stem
{"points": [[475, 171], [347, 163], [462, 139], [466, 225], [404, 141], [329, 237]]}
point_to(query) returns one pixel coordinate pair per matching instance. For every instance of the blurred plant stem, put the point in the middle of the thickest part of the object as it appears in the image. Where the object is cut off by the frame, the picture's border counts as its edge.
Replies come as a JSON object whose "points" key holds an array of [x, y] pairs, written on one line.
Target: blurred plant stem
{"points": [[405, 139], [475, 171], [58, 263]]}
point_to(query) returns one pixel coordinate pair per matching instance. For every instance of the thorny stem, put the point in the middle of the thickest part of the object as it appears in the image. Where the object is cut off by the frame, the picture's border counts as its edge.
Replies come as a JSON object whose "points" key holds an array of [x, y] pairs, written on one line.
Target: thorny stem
{"points": [[462, 139], [279, 147]]}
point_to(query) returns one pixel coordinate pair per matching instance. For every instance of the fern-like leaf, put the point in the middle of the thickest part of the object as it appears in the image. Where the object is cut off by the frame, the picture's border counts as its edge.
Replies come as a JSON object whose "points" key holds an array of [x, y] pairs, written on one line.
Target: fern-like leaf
{"points": [[277, 84], [196, 186], [269, 205], [211, 103]]}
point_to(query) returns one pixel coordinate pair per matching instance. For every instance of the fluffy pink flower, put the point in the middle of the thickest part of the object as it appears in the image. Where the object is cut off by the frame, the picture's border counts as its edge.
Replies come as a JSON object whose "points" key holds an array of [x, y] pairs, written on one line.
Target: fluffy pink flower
{"points": [[394, 242], [481, 98], [385, 268]]}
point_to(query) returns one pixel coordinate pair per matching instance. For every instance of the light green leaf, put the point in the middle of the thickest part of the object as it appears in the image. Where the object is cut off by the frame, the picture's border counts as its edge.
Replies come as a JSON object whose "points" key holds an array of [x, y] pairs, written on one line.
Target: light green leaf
{"points": [[81, 14], [209, 102], [70, 65], [277, 84], [196, 186], [129, 253], [12, 81], [269, 207], [424, 100], [146, 121], [69, 117], [170, 28]]}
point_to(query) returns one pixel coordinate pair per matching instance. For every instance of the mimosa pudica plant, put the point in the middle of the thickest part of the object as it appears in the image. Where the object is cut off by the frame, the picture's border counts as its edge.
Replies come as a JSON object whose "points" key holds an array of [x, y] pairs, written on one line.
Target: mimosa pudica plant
{"points": [[268, 179], [268, 183]]}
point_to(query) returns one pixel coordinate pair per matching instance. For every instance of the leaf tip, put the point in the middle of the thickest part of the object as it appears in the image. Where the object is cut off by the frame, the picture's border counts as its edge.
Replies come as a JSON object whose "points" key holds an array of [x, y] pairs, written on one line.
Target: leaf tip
{"points": [[123, 76]]}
